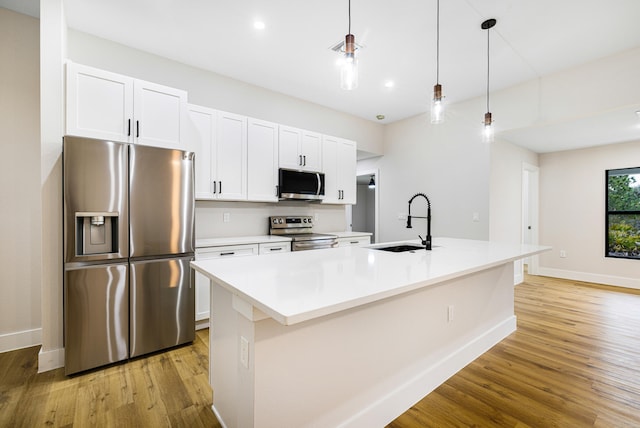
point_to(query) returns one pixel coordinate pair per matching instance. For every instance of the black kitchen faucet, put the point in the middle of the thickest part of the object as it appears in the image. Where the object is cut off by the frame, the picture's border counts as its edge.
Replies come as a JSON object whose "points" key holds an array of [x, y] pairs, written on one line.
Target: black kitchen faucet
{"points": [[427, 241]]}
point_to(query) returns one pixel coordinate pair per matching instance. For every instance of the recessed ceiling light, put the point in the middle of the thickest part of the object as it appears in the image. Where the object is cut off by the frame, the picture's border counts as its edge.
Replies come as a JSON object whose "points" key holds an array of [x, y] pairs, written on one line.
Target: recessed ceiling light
{"points": [[259, 25], [389, 84]]}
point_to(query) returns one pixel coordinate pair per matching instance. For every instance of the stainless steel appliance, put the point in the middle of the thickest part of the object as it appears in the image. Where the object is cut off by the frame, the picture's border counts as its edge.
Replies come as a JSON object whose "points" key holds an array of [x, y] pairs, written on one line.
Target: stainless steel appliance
{"points": [[128, 240], [300, 185], [300, 230]]}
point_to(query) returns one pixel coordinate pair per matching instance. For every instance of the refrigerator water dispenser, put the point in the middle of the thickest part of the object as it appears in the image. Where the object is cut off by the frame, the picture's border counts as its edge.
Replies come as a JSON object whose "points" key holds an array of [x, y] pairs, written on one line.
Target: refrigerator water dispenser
{"points": [[96, 233]]}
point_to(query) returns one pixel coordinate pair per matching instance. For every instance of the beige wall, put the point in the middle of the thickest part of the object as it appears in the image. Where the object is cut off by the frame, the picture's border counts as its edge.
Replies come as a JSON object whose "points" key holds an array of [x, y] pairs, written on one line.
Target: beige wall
{"points": [[572, 214], [20, 211]]}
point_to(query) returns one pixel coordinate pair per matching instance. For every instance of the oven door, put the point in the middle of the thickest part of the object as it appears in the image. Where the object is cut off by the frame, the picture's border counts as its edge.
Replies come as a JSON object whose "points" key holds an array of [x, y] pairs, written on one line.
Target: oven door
{"points": [[315, 244]]}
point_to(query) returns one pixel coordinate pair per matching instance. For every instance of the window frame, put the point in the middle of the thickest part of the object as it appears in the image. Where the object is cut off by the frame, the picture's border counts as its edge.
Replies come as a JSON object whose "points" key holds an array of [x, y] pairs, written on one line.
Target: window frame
{"points": [[608, 212]]}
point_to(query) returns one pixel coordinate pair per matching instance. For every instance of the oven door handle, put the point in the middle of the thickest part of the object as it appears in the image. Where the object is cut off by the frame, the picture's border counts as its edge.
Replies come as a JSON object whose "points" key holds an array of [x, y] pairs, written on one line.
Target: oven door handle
{"points": [[316, 244]]}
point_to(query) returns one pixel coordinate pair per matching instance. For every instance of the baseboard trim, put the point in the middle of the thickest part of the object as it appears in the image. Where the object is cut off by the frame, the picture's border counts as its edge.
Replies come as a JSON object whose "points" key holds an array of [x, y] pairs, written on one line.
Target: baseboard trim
{"points": [[20, 339], [397, 401], [618, 281], [50, 360], [202, 324]]}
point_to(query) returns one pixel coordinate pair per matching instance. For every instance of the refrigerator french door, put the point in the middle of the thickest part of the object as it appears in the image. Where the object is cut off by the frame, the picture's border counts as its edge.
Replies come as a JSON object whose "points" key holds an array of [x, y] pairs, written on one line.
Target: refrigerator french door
{"points": [[129, 237]]}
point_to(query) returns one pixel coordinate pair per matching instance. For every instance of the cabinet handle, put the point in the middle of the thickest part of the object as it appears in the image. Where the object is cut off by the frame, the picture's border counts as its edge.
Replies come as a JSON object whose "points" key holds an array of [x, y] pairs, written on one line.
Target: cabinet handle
{"points": [[300, 160], [220, 185], [137, 129], [304, 160], [228, 254], [275, 249], [353, 242], [214, 187], [129, 128]]}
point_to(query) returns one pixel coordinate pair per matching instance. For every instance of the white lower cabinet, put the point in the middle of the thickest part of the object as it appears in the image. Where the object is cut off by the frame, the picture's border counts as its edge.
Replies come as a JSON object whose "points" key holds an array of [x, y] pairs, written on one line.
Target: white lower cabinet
{"points": [[202, 282], [356, 241]]}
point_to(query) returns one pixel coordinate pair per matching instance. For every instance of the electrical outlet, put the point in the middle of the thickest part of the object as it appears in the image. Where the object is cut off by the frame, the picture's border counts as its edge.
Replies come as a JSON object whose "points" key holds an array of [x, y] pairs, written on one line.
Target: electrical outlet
{"points": [[226, 217], [244, 352], [563, 253], [450, 313]]}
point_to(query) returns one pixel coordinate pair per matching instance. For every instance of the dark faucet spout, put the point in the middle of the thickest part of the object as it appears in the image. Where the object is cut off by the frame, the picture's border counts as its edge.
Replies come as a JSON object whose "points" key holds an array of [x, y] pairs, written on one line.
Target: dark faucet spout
{"points": [[427, 241]]}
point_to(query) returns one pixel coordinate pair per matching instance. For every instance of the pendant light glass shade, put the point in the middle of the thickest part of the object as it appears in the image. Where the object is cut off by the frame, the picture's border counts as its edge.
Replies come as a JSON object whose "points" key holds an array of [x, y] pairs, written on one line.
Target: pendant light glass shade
{"points": [[488, 132], [437, 107], [349, 69]]}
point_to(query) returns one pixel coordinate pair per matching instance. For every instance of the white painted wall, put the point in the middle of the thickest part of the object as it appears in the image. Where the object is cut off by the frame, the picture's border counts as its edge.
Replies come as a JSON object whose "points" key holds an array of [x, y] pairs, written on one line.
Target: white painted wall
{"points": [[572, 214], [448, 162], [20, 210], [52, 51]]}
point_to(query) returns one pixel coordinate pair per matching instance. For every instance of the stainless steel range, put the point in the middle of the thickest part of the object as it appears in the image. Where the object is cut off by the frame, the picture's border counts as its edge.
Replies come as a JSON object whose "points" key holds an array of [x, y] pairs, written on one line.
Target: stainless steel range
{"points": [[300, 230]]}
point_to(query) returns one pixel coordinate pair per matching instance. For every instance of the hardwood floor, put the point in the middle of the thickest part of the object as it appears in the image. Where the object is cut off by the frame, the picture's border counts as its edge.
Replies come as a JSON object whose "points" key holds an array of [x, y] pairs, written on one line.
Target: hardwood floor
{"points": [[162, 390], [573, 362]]}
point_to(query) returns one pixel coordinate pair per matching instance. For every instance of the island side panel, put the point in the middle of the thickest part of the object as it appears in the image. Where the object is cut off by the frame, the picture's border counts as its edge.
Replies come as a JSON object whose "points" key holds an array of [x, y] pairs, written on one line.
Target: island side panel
{"points": [[367, 365]]}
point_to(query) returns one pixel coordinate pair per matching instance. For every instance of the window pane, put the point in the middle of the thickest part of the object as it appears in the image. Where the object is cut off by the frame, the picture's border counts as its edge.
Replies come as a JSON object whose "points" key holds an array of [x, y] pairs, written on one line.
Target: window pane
{"points": [[624, 235], [623, 189]]}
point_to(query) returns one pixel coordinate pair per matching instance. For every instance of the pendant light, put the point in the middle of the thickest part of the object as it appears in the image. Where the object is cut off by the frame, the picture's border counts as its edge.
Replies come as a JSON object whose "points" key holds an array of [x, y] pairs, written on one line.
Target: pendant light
{"points": [[349, 69], [487, 135], [372, 183], [437, 107]]}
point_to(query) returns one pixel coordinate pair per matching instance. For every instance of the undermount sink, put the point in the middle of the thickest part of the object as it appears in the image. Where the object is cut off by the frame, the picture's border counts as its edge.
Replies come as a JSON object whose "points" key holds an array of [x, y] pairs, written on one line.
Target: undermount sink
{"points": [[401, 248]]}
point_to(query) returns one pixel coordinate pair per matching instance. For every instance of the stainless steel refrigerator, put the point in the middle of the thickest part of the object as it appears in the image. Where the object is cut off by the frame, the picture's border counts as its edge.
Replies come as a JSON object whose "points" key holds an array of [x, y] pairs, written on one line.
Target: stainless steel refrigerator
{"points": [[128, 240]]}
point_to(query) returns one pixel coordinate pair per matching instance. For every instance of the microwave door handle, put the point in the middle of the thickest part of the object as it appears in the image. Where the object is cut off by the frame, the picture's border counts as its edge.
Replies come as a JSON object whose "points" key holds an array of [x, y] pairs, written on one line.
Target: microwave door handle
{"points": [[319, 183]]}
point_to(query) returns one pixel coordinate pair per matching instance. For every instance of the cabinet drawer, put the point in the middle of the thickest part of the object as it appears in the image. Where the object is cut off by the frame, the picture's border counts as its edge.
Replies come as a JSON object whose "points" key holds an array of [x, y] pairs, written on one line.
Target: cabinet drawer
{"points": [[355, 241], [276, 247], [226, 251]]}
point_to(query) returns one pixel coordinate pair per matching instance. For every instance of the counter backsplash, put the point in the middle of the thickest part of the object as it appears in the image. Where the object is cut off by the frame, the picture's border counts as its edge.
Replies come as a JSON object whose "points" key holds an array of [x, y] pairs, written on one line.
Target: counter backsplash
{"points": [[251, 218]]}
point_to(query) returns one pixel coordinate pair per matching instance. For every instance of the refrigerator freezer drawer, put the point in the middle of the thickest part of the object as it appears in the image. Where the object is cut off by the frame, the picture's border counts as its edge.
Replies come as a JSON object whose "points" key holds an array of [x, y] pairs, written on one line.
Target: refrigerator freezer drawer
{"points": [[162, 304], [96, 316]]}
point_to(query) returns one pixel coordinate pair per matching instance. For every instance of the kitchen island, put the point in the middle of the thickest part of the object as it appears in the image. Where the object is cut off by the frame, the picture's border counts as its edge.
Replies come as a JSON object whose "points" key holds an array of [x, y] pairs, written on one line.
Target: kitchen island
{"points": [[351, 336]]}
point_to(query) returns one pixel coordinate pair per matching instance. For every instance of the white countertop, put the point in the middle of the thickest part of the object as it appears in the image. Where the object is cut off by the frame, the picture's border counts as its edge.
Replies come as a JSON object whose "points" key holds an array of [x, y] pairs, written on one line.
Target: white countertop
{"points": [[239, 240], [300, 286]]}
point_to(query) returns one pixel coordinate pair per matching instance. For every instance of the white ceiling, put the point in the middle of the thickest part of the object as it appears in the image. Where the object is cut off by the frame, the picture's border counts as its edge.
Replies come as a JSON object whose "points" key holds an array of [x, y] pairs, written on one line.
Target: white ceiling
{"points": [[291, 55]]}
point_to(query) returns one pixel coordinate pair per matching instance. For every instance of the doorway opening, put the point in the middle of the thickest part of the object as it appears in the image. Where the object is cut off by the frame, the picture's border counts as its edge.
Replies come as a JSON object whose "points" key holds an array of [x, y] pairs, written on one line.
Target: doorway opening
{"points": [[363, 215], [530, 201]]}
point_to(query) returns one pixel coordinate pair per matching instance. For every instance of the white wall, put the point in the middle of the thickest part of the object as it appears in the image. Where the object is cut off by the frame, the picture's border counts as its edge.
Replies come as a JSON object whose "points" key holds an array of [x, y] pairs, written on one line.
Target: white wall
{"points": [[447, 162], [20, 210], [505, 200], [52, 52], [572, 214]]}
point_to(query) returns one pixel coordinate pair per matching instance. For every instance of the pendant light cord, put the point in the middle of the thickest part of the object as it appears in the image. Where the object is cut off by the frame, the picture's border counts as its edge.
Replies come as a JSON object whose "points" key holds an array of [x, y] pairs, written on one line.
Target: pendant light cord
{"points": [[349, 17], [488, 30], [437, 41]]}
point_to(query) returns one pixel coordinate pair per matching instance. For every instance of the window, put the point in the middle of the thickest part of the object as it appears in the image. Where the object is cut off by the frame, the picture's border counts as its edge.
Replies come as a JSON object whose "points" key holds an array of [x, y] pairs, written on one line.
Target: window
{"points": [[623, 213]]}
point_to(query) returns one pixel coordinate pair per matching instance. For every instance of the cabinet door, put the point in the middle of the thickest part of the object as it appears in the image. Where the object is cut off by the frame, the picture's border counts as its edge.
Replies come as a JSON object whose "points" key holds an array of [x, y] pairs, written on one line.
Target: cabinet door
{"points": [[311, 151], [200, 137], [159, 113], [99, 103], [330, 169], [346, 162], [289, 148], [262, 161], [231, 156]]}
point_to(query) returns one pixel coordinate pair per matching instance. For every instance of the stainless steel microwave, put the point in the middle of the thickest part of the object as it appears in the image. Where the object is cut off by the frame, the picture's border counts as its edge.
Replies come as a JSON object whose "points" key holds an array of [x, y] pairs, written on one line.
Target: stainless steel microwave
{"points": [[300, 185]]}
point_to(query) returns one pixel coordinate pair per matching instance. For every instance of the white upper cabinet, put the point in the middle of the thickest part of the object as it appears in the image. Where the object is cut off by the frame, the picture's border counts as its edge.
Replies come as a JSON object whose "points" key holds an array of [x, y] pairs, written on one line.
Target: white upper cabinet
{"points": [[339, 162], [262, 162], [219, 140], [300, 149], [106, 105]]}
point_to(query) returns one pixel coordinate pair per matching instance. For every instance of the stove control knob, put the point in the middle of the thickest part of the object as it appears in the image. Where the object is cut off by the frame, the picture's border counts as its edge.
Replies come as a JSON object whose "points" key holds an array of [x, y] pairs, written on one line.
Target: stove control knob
{"points": [[304, 220], [275, 220], [280, 220], [310, 220]]}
